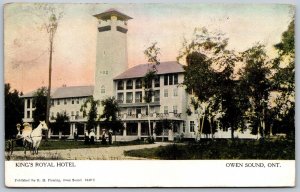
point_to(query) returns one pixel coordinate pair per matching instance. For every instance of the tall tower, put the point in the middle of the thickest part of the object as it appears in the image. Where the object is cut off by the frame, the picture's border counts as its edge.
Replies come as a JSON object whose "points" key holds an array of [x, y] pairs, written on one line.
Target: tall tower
{"points": [[111, 55]]}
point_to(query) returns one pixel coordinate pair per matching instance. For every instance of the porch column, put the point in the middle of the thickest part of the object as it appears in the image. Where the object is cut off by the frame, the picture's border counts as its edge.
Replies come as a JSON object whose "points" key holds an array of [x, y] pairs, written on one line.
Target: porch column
{"points": [[124, 130], [139, 130], [171, 135], [154, 134], [97, 132], [71, 129], [49, 133]]}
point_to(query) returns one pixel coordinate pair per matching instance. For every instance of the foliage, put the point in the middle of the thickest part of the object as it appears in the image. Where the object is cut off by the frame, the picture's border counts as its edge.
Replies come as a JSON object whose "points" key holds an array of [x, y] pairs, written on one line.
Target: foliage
{"points": [[92, 105], [110, 115], [165, 124], [222, 149], [284, 83], [40, 103], [151, 53], [209, 76], [62, 122], [14, 111]]}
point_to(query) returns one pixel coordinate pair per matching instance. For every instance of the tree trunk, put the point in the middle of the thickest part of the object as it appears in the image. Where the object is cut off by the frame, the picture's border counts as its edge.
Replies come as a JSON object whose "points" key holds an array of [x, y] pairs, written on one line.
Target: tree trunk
{"points": [[149, 124], [211, 130], [49, 84], [232, 133]]}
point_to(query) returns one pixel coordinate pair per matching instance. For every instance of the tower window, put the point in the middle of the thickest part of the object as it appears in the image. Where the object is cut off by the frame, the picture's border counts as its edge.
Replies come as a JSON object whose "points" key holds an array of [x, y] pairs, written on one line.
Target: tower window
{"points": [[175, 92], [166, 110], [102, 89], [121, 29], [105, 28], [166, 93], [175, 109]]}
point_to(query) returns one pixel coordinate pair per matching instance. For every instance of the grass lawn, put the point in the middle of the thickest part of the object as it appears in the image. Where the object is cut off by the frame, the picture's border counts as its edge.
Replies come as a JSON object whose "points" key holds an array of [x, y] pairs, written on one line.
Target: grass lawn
{"points": [[221, 149], [71, 144]]}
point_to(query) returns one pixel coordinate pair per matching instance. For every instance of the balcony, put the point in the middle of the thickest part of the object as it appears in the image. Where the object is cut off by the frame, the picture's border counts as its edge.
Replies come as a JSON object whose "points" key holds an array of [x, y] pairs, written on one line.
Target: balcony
{"points": [[153, 116]]}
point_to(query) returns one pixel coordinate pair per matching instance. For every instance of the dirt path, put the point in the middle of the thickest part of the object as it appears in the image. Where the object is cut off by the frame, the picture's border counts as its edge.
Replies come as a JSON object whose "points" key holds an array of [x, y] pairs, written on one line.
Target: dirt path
{"points": [[102, 153]]}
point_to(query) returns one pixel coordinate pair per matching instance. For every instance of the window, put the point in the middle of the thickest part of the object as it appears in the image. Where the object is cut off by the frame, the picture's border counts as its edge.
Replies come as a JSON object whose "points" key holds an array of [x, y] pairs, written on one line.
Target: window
{"points": [[28, 114], [147, 112], [58, 102], [138, 84], [166, 110], [138, 111], [192, 126], [171, 79], [183, 126], [120, 85], [102, 89], [77, 100], [156, 82], [65, 101], [72, 113], [156, 96], [129, 84], [72, 101], [120, 97], [175, 92], [166, 80], [175, 109], [138, 97], [28, 103], [156, 110], [129, 97], [148, 84], [175, 79], [166, 93], [52, 115], [129, 111], [65, 113], [77, 115], [52, 102]]}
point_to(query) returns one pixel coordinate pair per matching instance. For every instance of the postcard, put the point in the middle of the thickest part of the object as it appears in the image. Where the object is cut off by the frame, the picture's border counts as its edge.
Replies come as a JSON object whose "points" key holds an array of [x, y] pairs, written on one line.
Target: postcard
{"points": [[149, 95]]}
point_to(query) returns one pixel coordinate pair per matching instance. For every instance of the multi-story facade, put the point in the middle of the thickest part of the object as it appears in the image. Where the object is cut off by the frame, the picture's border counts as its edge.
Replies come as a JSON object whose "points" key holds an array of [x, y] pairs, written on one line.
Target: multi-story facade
{"points": [[113, 78], [169, 99]]}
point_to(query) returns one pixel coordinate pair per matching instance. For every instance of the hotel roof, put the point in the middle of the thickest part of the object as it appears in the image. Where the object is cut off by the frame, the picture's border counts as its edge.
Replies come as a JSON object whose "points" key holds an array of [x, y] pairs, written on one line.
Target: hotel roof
{"points": [[68, 92], [141, 70]]}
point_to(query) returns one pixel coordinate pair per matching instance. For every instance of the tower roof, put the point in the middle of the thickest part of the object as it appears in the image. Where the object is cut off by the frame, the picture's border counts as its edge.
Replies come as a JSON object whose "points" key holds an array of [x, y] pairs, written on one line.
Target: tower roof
{"points": [[108, 13]]}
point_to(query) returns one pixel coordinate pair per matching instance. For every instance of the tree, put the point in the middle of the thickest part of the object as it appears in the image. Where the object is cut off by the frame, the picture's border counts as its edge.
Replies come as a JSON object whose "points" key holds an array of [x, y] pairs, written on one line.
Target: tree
{"points": [[40, 103], [92, 119], [14, 111], [255, 80], [110, 115], [51, 17], [62, 123], [284, 82], [151, 53], [208, 71]]}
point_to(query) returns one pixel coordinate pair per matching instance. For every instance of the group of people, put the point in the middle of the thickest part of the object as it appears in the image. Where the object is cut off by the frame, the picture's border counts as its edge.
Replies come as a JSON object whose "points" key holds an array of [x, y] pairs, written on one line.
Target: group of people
{"points": [[89, 137]]}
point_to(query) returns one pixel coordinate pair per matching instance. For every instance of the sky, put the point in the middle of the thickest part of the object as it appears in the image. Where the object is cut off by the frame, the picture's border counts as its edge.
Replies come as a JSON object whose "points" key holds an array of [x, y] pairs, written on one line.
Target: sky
{"points": [[26, 44]]}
